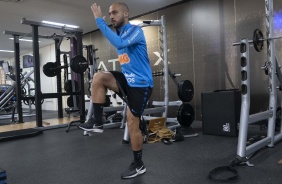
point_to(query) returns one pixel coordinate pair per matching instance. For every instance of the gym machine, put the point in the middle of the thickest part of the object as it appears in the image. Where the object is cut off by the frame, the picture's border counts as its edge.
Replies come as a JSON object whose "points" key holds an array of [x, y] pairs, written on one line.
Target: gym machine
{"points": [[162, 107], [9, 93], [272, 69], [75, 35], [78, 64]]}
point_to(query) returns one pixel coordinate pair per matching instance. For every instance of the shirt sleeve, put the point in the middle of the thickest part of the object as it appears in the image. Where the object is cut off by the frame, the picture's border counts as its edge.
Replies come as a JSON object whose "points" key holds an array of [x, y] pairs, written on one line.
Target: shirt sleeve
{"points": [[133, 35]]}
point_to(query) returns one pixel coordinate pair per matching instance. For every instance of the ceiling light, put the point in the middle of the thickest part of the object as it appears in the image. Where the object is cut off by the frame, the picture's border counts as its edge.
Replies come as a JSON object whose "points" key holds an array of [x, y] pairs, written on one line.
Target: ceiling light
{"points": [[135, 22], [59, 24], [6, 51], [24, 40], [14, 1]]}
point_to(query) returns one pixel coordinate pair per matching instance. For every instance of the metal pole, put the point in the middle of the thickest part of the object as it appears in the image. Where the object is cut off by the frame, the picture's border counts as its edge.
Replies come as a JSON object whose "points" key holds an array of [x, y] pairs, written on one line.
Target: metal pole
{"points": [[81, 78], [272, 76], [36, 64], [245, 105], [18, 78], [165, 64], [59, 78], [74, 76]]}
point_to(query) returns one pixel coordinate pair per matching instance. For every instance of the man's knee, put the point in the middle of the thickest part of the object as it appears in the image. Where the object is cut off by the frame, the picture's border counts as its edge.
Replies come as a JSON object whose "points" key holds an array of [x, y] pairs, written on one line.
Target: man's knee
{"points": [[98, 77], [105, 79]]}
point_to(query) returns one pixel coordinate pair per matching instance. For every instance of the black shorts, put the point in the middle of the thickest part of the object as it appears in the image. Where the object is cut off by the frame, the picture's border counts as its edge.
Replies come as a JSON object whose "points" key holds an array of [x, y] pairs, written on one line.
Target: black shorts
{"points": [[135, 97]]}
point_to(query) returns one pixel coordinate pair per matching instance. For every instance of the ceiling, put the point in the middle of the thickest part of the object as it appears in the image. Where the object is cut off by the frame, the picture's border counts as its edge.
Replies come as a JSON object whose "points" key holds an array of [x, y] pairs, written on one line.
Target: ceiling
{"points": [[75, 12]]}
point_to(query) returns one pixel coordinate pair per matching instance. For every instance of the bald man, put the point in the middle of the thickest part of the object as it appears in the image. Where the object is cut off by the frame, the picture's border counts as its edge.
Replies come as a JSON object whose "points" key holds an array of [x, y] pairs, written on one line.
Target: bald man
{"points": [[134, 83]]}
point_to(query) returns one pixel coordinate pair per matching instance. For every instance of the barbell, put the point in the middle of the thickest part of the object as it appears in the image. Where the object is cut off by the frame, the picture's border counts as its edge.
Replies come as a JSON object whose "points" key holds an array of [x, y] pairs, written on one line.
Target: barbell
{"points": [[258, 40], [78, 64]]}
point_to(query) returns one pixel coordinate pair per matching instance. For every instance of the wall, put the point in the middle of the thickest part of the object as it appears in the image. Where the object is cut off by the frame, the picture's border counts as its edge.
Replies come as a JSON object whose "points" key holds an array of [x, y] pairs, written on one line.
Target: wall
{"points": [[199, 37]]}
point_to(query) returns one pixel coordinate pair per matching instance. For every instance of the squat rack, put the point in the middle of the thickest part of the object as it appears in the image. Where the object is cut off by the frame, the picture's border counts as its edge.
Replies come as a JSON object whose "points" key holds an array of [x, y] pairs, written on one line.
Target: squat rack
{"points": [[16, 36], [76, 47], [163, 105], [245, 152], [162, 24]]}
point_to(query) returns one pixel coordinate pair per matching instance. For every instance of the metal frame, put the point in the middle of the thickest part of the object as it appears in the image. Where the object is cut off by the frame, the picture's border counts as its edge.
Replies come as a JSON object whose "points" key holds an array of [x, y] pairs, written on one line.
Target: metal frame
{"points": [[162, 24], [163, 106], [8, 95], [166, 73], [76, 36], [245, 152]]}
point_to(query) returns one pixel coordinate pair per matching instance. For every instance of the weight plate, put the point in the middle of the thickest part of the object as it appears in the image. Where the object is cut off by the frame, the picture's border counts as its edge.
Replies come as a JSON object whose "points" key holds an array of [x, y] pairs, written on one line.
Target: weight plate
{"points": [[48, 69], [185, 115], [79, 64], [258, 43], [185, 91]]}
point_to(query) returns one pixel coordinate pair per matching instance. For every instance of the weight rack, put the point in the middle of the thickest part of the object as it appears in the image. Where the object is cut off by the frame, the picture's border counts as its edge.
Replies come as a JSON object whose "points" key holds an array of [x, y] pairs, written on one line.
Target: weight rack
{"points": [[244, 152], [76, 48]]}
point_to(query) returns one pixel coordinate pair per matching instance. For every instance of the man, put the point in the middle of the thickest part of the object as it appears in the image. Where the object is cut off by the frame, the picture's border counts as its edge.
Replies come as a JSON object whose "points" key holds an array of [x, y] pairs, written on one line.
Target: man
{"points": [[135, 83]]}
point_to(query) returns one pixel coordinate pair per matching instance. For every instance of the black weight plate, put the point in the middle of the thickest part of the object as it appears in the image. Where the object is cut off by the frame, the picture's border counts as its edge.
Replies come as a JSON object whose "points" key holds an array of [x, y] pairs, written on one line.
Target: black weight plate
{"points": [[79, 64], [185, 115], [258, 43], [185, 91], [48, 69]]}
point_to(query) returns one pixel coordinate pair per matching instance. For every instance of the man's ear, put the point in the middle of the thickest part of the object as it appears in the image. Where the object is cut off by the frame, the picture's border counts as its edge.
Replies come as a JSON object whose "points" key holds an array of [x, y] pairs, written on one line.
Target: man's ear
{"points": [[126, 14]]}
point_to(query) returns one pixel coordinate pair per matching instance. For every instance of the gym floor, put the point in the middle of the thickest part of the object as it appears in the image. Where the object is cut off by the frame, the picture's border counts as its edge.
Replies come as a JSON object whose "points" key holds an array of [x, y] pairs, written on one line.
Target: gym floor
{"points": [[59, 157]]}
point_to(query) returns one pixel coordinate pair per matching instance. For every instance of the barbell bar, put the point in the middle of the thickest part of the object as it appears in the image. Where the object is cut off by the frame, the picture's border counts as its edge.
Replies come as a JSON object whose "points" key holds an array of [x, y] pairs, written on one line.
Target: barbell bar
{"points": [[258, 40]]}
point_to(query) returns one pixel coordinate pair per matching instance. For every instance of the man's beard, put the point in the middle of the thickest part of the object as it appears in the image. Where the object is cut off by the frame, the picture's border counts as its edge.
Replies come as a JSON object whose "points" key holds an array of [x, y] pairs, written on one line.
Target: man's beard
{"points": [[117, 24]]}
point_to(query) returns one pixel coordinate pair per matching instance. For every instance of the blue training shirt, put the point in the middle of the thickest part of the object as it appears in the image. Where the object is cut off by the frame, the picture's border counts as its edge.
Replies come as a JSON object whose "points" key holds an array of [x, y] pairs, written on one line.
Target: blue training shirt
{"points": [[132, 53]]}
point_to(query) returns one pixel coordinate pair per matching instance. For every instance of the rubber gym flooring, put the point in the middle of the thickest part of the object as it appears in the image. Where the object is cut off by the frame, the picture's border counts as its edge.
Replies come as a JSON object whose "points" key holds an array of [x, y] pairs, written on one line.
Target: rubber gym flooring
{"points": [[58, 157]]}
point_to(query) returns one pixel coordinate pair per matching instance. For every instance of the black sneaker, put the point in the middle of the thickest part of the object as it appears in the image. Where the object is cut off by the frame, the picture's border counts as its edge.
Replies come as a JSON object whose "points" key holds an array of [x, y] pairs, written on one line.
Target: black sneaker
{"points": [[91, 125], [133, 170]]}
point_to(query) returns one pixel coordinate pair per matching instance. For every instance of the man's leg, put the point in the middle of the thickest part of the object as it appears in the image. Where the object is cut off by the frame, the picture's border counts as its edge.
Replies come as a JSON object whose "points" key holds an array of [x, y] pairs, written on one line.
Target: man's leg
{"points": [[100, 83], [134, 133], [137, 167]]}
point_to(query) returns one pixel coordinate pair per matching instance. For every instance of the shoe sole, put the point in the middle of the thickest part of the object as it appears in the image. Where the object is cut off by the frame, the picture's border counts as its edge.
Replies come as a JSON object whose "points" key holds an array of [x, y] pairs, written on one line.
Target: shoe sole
{"points": [[136, 174], [92, 130]]}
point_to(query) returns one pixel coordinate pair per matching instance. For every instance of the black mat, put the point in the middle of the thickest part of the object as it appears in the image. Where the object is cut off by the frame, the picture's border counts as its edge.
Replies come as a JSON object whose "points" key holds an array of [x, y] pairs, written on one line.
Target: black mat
{"points": [[60, 157], [19, 134]]}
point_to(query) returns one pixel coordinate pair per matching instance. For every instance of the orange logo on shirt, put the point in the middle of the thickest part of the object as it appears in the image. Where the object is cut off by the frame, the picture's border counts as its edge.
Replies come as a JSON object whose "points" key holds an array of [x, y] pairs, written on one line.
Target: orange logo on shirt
{"points": [[123, 58]]}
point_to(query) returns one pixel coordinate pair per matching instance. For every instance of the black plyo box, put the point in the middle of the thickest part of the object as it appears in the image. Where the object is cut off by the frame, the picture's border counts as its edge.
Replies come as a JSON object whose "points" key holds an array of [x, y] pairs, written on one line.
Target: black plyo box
{"points": [[221, 112]]}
